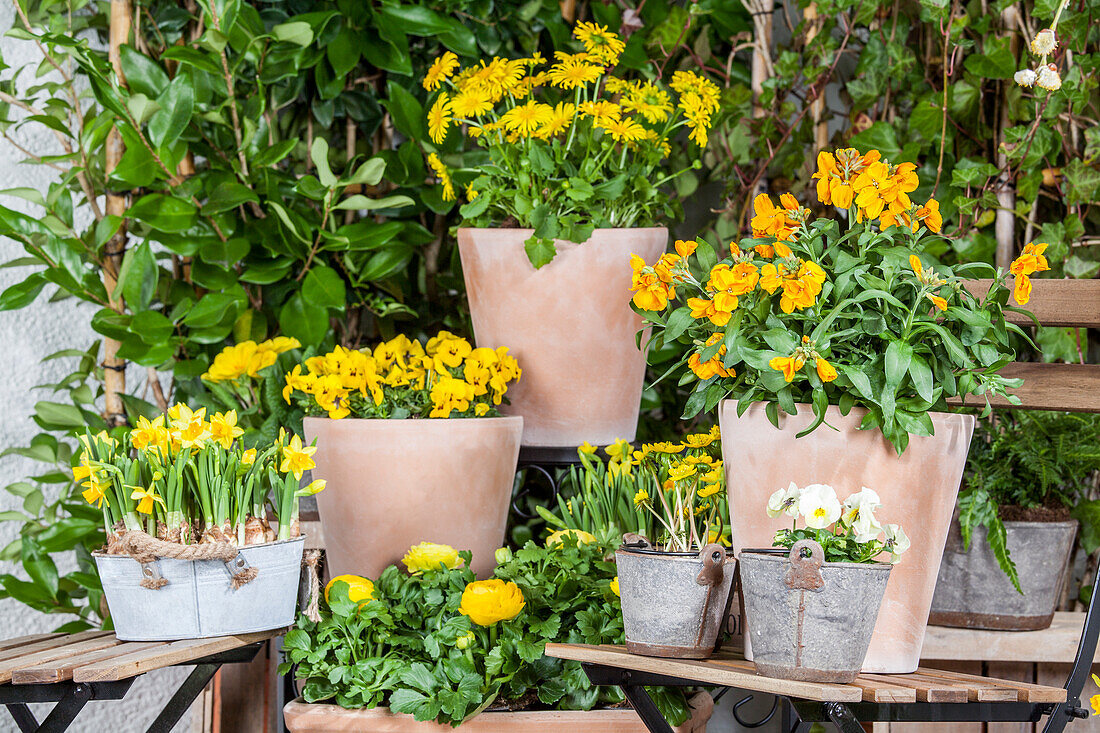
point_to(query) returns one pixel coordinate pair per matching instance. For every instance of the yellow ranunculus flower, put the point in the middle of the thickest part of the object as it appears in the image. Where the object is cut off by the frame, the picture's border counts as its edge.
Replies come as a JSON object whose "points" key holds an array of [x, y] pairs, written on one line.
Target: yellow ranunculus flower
{"points": [[359, 588], [465, 640], [431, 556], [488, 601], [556, 539], [615, 585]]}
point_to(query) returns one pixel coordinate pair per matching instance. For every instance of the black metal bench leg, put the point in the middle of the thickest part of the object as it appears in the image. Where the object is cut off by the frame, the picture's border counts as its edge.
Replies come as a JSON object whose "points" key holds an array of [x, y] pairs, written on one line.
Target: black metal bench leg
{"points": [[66, 710], [185, 695], [23, 717], [646, 709], [842, 717]]}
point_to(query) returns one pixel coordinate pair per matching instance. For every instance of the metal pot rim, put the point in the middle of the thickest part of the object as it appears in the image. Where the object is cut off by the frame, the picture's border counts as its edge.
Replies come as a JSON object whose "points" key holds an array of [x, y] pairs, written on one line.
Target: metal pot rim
{"points": [[299, 538], [667, 553], [780, 555]]}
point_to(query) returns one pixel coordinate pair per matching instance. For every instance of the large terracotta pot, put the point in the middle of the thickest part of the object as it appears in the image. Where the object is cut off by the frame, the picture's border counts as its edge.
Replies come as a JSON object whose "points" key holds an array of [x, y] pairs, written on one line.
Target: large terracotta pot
{"points": [[394, 483], [917, 489], [569, 324], [302, 717]]}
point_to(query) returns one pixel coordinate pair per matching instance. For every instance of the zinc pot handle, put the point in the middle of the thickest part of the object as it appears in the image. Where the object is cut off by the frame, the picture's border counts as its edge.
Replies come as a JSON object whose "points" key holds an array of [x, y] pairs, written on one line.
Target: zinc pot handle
{"points": [[713, 558], [806, 558], [633, 541]]}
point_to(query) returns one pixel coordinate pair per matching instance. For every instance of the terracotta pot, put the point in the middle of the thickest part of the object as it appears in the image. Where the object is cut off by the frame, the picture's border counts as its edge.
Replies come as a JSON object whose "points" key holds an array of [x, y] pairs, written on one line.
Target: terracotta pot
{"points": [[569, 324], [302, 717], [394, 483], [917, 490]]}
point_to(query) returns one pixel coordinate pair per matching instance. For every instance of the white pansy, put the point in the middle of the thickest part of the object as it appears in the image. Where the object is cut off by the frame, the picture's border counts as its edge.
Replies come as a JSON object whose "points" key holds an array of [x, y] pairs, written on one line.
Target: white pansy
{"points": [[1044, 42], [863, 501], [896, 541], [866, 527], [1026, 77], [1049, 78], [784, 501], [819, 506]]}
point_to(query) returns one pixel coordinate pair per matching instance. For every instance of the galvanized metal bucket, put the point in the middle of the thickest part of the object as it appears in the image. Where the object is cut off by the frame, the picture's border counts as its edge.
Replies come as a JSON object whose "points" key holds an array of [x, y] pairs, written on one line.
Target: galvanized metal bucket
{"points": [[674, 603], [973, 592], [198, 599], [809, 619]]}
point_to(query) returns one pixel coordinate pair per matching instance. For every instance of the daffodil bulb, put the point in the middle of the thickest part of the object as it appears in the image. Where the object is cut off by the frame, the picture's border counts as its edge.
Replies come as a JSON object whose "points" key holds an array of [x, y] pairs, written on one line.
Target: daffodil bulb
{"points": [[819, 506], [896, 541], [784, 501], [1049, 77], [1044, 42]]}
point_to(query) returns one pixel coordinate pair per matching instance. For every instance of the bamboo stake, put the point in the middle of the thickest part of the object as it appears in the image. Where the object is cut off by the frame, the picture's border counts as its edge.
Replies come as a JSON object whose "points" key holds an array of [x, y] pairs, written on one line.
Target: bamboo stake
{"points": [[762, 12], [1004, 225], [817, 107], [114, 368]]}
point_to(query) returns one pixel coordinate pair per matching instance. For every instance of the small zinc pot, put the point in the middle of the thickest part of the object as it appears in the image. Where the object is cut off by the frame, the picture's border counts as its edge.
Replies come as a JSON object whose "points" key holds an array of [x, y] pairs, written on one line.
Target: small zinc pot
{"points": [[395, 483], [303, 717], [570, 326], [918, 491], [973, 592], [808, 619], [674, 603], [198, 600]]}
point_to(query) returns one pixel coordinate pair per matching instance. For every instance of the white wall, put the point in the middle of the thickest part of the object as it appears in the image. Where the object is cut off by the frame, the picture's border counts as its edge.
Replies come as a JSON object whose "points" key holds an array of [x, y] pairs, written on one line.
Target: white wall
{"points": [[26, 336]]}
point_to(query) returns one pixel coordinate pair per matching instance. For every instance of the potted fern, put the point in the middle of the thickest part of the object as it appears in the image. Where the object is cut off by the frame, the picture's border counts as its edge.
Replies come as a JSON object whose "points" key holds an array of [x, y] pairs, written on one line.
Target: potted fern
{"points": [[1029, 477]]}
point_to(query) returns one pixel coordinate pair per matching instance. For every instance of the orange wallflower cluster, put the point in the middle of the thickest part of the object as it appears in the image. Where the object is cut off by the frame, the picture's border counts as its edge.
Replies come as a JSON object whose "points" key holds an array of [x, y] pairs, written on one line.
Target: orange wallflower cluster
{"points": [[878, 189], [1030, 262], [800, 286], [654, 286], [713, 366], [806, 351]]}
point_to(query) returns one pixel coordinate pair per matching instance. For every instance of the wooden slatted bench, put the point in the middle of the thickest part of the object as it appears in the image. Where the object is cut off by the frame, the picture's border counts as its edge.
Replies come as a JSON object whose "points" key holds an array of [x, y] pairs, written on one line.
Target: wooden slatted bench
{"points": [[71, 670]]}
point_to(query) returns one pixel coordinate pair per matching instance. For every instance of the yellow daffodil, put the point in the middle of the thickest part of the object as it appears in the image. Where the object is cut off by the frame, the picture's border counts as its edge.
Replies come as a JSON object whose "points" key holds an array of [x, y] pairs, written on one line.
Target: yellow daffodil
{"points": [[297, 458], [223, 428], [145, 498]]}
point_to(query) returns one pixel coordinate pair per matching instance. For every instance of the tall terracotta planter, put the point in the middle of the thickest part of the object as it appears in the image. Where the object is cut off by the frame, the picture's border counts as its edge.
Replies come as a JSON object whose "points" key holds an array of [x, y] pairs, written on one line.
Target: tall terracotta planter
{"points": [[394, 483], [302, 717], [917, 489], [570, 326]]}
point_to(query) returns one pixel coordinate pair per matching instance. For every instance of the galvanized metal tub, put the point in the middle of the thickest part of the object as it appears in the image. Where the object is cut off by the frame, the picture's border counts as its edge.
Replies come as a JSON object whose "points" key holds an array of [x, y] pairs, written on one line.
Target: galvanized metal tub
{"points": [[198, 600], [808, 619], [674, 603], [973, 592]]}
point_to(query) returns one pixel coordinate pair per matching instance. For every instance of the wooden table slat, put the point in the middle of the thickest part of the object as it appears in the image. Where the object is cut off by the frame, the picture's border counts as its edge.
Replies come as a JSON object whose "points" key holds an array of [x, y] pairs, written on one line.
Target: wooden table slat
{"points": [[61, 670], [172, 653], [55, 641], [1053, 302], [1027, 691], [6, 644], [1064, 387], [8, 666], [729, 669]]}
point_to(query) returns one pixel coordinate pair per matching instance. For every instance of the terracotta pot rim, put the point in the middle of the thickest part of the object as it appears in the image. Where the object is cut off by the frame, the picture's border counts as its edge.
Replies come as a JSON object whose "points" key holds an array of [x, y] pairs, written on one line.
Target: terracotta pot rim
{"points": [[529, 231], [300, 702], [765, 554], [500, 420]]}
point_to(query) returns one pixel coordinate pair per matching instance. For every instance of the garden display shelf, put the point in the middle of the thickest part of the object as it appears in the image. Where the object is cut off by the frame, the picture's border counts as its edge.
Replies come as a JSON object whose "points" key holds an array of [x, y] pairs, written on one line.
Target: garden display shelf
{"points": [[73, 669]]}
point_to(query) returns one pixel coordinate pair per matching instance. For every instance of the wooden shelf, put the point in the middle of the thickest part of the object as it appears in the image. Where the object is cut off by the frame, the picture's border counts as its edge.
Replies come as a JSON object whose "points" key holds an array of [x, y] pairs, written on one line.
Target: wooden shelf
{"points": [[1056, 644]]}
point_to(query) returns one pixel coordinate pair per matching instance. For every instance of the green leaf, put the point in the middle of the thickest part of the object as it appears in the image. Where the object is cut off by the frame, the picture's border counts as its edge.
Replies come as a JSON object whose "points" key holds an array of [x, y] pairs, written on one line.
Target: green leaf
{"points": [[406, 112], [995, 62], [22, 293], [303, 321], [297, 32], [319, 155], [58, 416], [137, 278], [361, 202], [228, 195], [324, 288], [898, 356], [370, 173], [540, 250], [143, 75], [165, 213], [176, 105]]}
